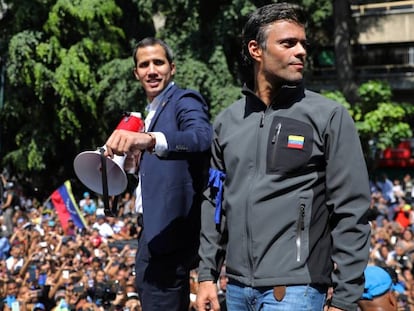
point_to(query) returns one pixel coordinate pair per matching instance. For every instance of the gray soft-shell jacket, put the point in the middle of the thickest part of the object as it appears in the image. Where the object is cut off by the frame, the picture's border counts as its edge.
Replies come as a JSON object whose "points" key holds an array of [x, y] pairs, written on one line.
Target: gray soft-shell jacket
{"points": [[295, 196]]}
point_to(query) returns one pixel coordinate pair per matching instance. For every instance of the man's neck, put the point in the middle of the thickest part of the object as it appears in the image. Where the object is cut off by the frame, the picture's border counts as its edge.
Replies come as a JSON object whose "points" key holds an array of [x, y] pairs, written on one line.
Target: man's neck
{"points": [[266, 92]]}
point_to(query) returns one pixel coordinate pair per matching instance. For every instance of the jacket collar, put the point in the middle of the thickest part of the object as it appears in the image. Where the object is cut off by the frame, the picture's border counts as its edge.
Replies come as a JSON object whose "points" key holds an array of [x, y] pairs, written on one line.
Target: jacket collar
{"points": [[287, 96]]}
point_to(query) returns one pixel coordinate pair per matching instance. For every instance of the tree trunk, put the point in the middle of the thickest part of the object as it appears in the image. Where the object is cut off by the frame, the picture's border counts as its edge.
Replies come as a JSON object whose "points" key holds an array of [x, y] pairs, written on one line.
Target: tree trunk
{"points": [[343, 51]]}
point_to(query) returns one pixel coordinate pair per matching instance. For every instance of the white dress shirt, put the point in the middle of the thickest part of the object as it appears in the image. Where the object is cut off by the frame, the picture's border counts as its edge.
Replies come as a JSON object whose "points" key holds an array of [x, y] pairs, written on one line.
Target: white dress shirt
{"points": [[161, 144]]}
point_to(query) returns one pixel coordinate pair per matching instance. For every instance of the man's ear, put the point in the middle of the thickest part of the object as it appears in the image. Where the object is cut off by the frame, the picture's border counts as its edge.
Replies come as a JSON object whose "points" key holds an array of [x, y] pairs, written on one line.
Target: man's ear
{"points": [[173, 68], [135, 73], [392, 300], [254, 50]]}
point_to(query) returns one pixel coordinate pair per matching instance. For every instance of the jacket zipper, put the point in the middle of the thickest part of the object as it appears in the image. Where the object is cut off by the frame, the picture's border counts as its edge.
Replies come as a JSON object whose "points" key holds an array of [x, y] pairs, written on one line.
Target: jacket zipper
{"points": [[274, 142], [275, 138], [300, 228]]}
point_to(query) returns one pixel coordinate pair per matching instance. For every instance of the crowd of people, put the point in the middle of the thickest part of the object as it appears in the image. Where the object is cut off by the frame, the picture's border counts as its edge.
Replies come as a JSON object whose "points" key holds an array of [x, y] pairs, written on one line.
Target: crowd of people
{"points": [[46, 267], [392, 241], [43, 267]]}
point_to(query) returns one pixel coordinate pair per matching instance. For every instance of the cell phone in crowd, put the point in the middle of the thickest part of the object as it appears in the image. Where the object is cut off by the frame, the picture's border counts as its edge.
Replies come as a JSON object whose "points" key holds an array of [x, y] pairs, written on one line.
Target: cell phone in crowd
{"points": [[65, 274], [32, 274], [43, 244]]}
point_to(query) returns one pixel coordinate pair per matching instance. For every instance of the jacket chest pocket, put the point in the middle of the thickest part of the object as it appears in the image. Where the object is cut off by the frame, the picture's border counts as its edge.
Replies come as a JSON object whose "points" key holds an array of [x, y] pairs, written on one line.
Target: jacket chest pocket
{"points": [[289, 146]]}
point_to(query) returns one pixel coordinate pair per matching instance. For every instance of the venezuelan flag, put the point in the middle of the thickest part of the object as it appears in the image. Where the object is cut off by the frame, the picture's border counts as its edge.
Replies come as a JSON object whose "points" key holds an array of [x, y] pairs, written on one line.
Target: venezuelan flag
{"points": [[66, 206], [296, 141]]}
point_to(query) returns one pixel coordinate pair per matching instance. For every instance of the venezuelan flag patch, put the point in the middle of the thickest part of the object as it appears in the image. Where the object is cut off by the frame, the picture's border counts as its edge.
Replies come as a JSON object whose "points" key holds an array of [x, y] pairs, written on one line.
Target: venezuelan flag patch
{"points": [[295, 141]]}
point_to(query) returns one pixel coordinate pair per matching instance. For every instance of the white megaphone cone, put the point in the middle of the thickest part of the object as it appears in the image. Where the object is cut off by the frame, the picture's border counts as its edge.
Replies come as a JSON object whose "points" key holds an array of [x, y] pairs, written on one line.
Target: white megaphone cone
{"points": [[89, 165], [88, 168]]}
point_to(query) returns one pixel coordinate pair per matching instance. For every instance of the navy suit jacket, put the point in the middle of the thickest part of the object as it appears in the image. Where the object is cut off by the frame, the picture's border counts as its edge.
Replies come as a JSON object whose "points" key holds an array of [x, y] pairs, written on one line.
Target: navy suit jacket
{"points": [[172, 185]]}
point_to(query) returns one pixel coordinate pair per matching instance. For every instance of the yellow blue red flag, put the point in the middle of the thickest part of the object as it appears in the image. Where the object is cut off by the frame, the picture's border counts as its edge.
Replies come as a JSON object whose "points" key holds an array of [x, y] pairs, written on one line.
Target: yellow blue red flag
{"points": [[66, 206]]}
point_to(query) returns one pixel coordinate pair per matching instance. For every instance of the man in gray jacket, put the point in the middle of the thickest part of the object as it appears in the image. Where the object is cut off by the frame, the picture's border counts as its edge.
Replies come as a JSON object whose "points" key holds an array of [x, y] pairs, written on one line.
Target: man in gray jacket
{"points": [[289, 187]]}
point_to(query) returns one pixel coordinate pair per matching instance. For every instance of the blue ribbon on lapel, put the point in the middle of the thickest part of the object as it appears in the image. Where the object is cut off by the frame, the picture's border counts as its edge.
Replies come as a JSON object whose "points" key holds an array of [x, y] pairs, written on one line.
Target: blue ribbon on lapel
{"points": [[216, 178]]}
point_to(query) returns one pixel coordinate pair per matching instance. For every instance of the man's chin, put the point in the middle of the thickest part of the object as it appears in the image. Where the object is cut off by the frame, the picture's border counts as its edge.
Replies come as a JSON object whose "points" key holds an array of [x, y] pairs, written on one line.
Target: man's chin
{"points": [[152, 92]]}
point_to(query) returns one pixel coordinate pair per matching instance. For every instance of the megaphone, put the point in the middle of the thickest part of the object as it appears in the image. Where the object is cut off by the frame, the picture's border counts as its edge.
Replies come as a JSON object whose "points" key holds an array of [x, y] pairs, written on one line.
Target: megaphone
{"points": [[89, 166]]}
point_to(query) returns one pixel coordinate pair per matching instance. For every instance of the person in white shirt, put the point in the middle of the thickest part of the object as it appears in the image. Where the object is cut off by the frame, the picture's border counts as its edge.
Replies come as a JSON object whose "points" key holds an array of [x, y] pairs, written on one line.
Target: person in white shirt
{"points": [[104, 228]]}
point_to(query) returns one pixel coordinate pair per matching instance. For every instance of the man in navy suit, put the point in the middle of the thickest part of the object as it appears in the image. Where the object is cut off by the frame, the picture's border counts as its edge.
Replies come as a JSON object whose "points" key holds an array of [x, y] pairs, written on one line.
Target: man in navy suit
{"points": [[173, 172]]}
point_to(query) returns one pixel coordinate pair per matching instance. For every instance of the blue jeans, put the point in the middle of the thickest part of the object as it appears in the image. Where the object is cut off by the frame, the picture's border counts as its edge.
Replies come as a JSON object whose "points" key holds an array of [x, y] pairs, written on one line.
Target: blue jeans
{"points": [[297, 298]]}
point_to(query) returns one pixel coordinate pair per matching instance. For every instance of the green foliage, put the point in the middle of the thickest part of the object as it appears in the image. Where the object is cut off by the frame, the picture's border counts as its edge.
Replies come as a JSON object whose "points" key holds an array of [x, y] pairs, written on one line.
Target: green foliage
{"points": [[118, 90], [383, 120], [18, 15], [219, 92], [373, 92], [378, 118], [35, 158], [386, 124], [56, 72], [22, 58], [339, 97], [95, 19]]}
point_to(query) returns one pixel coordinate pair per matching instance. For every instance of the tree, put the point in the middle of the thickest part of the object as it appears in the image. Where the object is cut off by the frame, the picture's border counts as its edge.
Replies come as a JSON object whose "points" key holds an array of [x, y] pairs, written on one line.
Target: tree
{"points": [[343, 50], [381, 122], [59, 76]]}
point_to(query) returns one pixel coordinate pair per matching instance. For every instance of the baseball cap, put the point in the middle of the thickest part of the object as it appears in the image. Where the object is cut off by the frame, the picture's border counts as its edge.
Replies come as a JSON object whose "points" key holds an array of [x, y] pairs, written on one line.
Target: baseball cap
{"points": [[39, 306], [377, 282], [398, 288]]}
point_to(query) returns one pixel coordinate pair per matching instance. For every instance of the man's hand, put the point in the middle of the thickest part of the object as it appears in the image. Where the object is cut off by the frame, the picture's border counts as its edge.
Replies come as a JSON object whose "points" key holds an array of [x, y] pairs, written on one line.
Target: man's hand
{"points": [[122, 142], [329, 295], [329, 298], [330, 308], [207, 298]]}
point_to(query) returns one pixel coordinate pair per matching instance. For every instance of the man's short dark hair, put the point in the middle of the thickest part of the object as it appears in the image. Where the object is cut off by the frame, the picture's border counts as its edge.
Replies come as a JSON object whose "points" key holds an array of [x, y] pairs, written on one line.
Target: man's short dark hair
{"points": [[151, 41], [256, 26]]}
